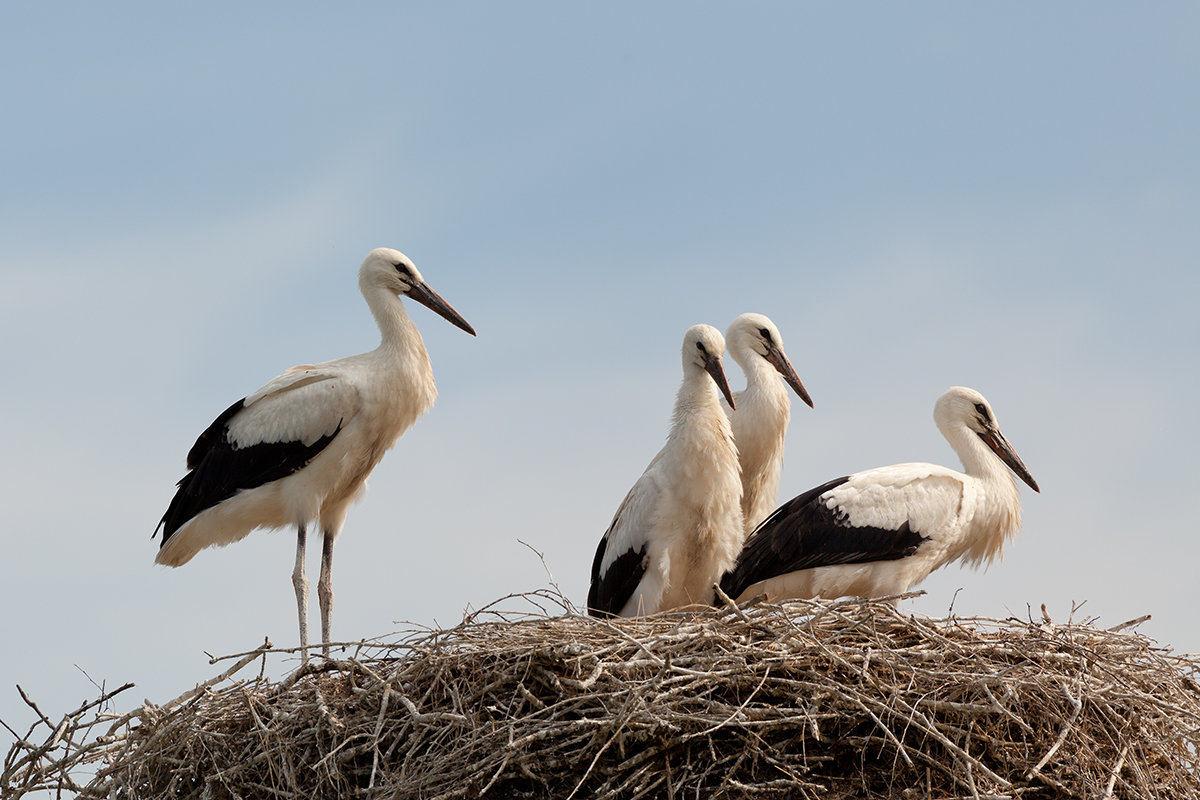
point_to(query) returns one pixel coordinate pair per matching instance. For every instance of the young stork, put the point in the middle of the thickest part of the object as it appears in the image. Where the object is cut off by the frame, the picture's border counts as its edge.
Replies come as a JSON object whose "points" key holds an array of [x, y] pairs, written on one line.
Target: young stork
{"points": [[680, 527], [300, 448], [763, 409], [882, 531]]}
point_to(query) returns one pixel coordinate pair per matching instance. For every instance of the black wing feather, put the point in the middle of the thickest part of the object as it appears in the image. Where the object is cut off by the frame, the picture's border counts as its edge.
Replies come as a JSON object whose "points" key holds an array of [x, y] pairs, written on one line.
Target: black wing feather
{"points": [[220, 469], [609, 593], [213, 435], [804, 533]]}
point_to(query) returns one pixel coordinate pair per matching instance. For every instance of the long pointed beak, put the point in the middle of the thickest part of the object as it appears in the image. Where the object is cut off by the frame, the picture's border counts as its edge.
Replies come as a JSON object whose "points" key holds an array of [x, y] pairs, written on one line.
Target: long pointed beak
{"points": [[777, 359], [434, 302], [1000, 446], [712, 365]]}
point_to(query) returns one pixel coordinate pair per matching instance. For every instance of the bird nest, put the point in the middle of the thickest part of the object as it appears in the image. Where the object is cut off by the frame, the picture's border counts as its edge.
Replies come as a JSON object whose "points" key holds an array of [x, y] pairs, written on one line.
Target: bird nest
{"points": [[806, 700]]}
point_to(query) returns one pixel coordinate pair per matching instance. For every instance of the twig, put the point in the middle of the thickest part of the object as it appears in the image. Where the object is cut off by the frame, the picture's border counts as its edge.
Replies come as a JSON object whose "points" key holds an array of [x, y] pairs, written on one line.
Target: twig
{"points": [[729, 603], [33, 705], [542, 557], [1076, 707], [191, 693], [1116, 770], [1132, 623], [754, 699]]}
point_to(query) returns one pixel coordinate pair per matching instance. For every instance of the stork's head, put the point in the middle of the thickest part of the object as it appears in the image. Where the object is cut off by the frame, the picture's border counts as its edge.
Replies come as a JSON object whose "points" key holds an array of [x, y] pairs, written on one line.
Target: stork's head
{"points": [[393, 271], [703, 347], [960, 407], [754, 336]]}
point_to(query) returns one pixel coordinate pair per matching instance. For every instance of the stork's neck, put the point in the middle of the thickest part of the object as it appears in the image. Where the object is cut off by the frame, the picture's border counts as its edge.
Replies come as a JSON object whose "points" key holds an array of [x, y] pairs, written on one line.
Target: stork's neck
{"points": [[759, 428], [763, 411], [399, 337], [697, 392], [699, 400], [996, 510], [977, 458], [762, 379]]}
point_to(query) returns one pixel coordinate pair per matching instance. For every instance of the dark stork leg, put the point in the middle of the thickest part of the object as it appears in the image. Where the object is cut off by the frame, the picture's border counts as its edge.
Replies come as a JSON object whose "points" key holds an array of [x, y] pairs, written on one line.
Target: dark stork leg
{"points": [[300, 582], [325, 591]]}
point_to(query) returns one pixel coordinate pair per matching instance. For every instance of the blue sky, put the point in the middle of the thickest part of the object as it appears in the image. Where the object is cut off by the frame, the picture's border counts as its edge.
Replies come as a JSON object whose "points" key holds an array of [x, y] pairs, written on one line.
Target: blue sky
{"points": [[919, 195]]}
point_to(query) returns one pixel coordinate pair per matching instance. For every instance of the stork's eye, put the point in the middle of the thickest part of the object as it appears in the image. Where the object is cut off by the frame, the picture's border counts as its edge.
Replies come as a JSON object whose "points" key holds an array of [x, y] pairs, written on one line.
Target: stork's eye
{"points": [[982, 409], [700, 347], [766, 334]]}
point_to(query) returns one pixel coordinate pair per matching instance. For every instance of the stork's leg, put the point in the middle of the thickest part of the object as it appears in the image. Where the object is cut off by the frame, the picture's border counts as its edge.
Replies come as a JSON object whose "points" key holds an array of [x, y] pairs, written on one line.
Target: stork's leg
{"points": [[300, 582], [325, 591]]}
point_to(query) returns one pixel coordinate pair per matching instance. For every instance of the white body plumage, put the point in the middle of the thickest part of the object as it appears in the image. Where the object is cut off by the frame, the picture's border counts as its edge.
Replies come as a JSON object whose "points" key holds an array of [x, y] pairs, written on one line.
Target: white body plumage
{"points": [[760, 422], [680, 527], [299, 449], [882, 531], [368, 400]]}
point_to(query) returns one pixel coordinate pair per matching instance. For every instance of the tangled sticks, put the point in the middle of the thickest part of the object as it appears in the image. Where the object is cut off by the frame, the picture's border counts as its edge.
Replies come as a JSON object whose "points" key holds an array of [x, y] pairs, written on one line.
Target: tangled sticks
{"points": [[812, 699]]}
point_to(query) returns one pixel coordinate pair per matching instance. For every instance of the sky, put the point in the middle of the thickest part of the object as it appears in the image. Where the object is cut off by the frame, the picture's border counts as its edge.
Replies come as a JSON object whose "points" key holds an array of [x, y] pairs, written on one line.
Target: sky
{"points": [[920, 195]]}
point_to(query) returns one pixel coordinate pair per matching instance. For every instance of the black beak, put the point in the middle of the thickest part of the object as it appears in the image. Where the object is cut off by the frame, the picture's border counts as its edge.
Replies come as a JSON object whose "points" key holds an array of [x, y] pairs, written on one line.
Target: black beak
{"points": [[1000, 446], [779, 361], [712, 365], [434, 302]]}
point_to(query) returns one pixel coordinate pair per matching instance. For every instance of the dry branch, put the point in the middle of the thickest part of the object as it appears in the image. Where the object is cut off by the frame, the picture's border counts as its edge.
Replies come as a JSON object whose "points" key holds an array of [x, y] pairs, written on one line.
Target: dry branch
{"points": [[808, 700]]}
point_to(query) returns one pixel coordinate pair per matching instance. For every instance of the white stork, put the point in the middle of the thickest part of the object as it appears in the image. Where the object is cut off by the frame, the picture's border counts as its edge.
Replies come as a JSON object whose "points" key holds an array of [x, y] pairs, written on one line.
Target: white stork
{"points": [[882, 531], [300, 448], [680, 527], [763, 410]]}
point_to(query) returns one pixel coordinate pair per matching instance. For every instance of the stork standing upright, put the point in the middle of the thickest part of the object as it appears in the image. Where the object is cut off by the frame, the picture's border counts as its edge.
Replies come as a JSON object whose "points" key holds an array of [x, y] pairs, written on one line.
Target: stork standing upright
{"points": [[882, 531], [680, 527], [300, 449], [763, 410]]}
